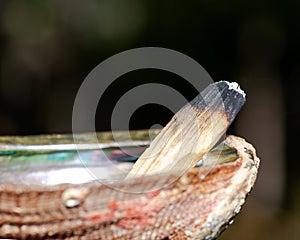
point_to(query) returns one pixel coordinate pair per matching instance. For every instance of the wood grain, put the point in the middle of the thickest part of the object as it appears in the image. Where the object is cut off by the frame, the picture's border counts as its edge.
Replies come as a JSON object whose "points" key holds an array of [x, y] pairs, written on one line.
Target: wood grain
{"points": [[192, 132]]}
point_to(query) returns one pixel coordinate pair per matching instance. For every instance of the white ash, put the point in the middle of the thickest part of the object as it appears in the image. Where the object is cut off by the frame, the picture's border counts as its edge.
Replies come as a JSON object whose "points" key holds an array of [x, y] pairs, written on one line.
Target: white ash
{"points": [[236, 87]]}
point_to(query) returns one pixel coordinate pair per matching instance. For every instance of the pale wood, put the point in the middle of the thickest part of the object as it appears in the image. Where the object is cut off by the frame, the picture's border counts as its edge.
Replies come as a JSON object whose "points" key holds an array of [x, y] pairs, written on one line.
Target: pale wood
{"points": [[182, 143], [192, 132]]}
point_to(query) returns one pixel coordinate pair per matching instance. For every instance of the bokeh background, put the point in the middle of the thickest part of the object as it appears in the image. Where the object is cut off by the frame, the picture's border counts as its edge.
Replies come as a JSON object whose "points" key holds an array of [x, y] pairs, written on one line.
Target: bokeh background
{"points": [[47, 48]]}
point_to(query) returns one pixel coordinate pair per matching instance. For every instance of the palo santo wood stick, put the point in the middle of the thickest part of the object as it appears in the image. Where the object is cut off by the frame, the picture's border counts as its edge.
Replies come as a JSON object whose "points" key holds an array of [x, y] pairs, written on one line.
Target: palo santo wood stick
{"points": [[192, 132]]}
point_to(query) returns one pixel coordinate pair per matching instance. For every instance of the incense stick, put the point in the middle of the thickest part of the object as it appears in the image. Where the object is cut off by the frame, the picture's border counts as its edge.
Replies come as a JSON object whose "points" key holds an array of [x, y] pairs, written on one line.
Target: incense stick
{"points": [[192, 132]]}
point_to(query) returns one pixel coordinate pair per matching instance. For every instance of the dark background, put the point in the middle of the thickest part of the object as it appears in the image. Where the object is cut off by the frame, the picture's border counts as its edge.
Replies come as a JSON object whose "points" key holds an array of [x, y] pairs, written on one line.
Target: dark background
{"points": [[48, 48]]}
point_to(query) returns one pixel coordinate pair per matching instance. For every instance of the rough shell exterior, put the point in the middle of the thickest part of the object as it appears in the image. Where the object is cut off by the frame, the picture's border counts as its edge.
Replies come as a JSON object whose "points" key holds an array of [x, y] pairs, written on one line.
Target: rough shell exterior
{"points": [[188, 207]]}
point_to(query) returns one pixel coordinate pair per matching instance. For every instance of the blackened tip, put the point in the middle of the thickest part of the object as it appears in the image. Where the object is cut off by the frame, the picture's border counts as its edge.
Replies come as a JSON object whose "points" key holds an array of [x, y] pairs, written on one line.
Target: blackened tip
{"points": [[233, 86], [233, 98], [221, 96]]}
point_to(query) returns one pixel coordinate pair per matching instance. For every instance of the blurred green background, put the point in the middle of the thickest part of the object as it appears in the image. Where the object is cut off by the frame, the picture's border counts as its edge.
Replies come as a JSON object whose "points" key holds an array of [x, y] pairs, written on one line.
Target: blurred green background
{"points": [[48, 48]]}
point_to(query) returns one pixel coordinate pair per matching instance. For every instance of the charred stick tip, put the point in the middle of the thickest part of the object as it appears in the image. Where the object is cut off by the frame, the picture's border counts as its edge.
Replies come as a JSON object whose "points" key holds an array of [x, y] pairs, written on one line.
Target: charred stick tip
{"points": [[223, 96], [233, 98]]}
